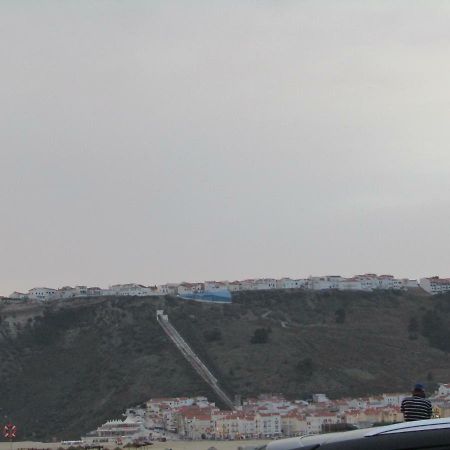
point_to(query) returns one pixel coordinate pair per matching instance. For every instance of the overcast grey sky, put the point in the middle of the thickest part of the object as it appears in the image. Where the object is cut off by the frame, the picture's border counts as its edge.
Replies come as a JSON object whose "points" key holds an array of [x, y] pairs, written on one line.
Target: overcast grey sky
{"points": [[155, 141]]}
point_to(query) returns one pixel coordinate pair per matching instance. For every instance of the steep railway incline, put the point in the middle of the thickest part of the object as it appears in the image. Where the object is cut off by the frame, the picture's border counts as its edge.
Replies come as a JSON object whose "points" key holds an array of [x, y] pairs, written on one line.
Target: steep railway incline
{"points": [[192, 358]]}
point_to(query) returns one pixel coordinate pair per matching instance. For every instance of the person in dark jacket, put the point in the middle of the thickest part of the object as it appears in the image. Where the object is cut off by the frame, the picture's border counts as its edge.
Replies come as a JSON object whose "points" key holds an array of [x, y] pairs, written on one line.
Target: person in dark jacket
{"points": [[416, 407]]}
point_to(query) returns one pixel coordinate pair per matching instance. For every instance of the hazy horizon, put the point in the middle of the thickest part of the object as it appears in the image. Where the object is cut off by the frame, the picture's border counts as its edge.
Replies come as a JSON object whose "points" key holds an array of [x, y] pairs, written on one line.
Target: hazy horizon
{"points": [[157, 142]]}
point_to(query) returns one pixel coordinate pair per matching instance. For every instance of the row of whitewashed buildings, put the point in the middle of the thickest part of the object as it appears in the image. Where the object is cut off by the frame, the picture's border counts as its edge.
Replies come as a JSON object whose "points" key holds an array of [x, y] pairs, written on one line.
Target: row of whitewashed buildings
{"points": [[268, 416], [366, 282]]}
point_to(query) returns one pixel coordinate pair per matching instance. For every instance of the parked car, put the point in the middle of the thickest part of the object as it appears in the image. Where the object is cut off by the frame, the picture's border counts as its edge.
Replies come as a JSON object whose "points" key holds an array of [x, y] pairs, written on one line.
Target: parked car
{"points": [[419, 435]]}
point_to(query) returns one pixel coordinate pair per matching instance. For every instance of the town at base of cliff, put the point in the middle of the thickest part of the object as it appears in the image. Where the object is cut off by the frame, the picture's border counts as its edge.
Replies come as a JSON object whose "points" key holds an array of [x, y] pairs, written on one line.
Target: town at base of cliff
{"points": [[267, 416]]}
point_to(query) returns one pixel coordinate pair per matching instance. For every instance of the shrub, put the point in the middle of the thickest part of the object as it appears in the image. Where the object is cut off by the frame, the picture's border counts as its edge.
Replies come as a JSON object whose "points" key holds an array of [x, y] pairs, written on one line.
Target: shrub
{"points": [[212, 335], [260, 336]]}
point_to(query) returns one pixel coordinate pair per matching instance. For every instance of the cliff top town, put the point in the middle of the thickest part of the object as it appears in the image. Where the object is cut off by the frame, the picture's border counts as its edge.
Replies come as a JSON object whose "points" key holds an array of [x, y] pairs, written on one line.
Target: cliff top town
{"points": [[366, 282]]}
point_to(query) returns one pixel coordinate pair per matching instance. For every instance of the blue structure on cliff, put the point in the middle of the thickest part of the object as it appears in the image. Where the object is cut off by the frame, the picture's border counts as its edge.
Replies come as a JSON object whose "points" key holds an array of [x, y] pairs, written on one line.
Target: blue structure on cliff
{"points": [[215, 296]]}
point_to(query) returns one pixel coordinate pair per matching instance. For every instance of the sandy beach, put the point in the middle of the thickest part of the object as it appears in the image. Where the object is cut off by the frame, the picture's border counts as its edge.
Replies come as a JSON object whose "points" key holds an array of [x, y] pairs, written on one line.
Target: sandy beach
{"points": [[174, 445]]}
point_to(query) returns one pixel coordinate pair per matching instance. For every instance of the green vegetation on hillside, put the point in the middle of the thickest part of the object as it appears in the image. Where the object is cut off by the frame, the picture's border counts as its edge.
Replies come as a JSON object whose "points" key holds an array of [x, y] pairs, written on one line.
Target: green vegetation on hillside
{"points": [[69, 366]]}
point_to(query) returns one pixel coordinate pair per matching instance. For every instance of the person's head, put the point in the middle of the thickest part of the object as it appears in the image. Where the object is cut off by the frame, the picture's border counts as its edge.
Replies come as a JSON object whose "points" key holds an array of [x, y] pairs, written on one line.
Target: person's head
{"points": [[419, 390]]}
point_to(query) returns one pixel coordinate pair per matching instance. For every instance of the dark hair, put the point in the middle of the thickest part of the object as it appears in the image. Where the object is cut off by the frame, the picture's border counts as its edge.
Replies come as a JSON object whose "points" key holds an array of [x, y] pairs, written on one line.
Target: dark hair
{"points": [[419, 393]]}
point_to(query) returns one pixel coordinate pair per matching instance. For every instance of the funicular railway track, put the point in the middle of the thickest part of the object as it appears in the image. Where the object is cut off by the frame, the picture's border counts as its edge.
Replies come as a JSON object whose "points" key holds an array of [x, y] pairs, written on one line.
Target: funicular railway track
{"points": [[192, 358]]}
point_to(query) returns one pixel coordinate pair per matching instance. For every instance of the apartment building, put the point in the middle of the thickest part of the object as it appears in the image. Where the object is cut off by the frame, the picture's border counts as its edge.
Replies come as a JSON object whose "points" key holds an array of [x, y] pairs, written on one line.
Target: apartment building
{"points": [[167, 289], [435, 285], [324, 283], [288, 283], [215, 285], [258, 284], [318, 421], [42, 294], [189, 288], [293, 424], [268, 424], [132, 289]]}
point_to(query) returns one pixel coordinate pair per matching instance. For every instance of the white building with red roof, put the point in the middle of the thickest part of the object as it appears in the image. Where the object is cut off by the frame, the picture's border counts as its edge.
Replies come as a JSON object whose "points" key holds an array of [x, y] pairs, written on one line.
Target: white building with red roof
{"points": [[215, 285], [234, 425], [293, 424], [318, 421], [42, 293], [189, 288], [435, 285], [268, 425], [168, 289], [196, 425], [289, 283], [258, 284], [234, 286], [324, 282]]}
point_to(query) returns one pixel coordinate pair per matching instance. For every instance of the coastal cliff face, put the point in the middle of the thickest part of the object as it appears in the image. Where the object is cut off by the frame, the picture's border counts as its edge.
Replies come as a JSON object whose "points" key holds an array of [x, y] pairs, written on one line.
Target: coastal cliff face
{"points": [[68, 366]]}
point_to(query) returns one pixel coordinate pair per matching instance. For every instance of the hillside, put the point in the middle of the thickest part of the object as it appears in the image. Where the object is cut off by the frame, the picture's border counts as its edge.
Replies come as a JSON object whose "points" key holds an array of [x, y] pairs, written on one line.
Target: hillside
{"points": [[66, 367]]}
